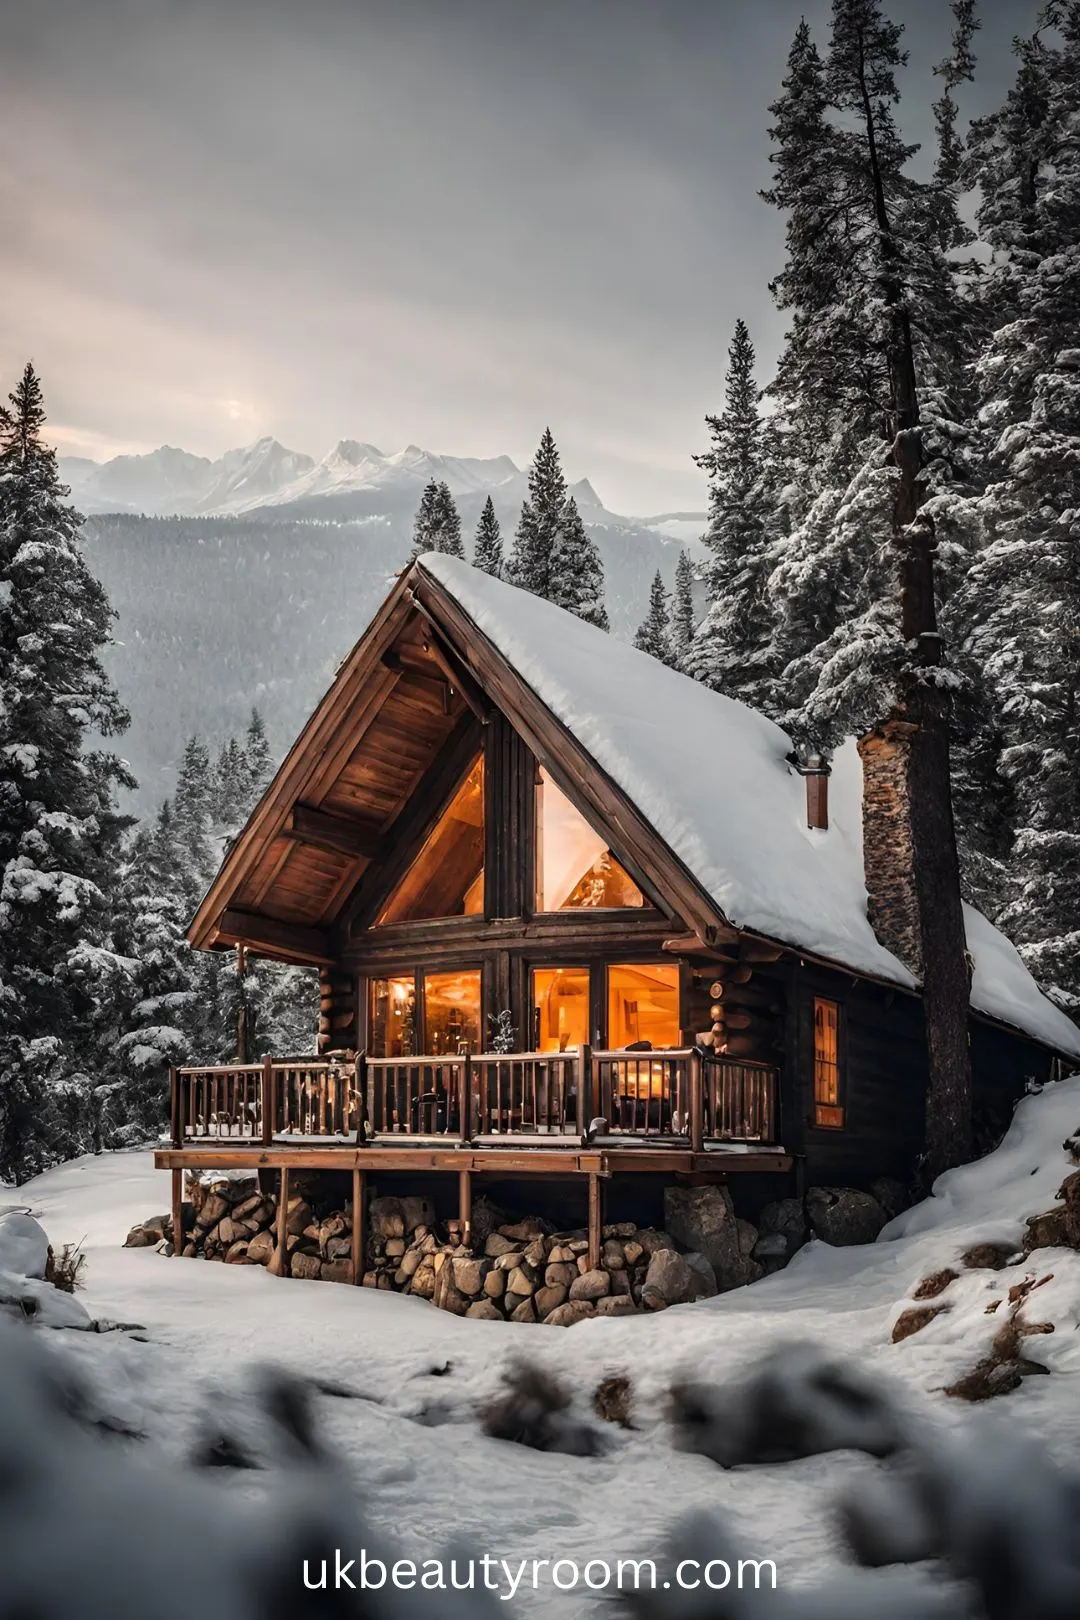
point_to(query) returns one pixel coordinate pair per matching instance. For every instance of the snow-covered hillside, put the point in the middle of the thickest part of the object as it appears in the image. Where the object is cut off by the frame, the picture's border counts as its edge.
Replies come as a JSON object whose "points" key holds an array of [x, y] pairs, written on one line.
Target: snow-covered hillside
{"points": [[406, 1380]]}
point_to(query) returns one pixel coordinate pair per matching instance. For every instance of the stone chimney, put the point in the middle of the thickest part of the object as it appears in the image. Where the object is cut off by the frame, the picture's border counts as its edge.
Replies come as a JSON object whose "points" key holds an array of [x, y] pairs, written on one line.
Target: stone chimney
{"points": [[815, 770], [888, 850]]}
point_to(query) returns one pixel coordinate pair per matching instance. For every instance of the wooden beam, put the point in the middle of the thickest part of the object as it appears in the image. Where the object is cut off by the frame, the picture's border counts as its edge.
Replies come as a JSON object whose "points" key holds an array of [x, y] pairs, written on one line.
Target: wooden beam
{"points": [[359, 1227], [594, 1221], [338, 835], [693, 945], [759, 950], [178, 1212], [279, 1260], [293, 941], [728, 1160]]}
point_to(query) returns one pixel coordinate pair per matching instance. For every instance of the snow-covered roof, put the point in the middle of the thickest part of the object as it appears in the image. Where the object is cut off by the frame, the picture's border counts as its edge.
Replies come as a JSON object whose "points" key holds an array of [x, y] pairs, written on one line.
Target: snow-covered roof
{"points": [[712, 778]]}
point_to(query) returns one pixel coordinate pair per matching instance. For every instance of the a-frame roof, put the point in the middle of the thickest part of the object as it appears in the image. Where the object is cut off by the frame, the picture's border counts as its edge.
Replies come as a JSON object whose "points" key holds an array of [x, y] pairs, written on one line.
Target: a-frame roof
{"points": [[695, 789]]}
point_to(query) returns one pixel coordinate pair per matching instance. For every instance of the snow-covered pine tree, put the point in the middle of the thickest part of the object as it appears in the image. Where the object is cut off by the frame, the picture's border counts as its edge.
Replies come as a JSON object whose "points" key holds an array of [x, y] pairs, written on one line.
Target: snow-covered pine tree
{"points": [[541, 523], [59, 828], [1023, 595], [577, 574], [654, 632], [488, 546], [681, 628], [194, 815], [426, 522], [447, 524], [733, 650], [230, 782], [258, 760]]}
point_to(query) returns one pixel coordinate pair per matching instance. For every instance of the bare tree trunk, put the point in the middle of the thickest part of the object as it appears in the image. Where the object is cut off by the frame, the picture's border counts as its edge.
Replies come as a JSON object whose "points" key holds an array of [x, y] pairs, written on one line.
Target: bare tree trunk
{"points": [[925, 704]]}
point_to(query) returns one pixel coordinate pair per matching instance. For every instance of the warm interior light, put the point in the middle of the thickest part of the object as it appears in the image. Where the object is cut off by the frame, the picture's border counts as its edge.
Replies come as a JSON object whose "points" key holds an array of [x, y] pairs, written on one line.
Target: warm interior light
{"points": [[447, 877], [574, 867], [560, 1000]]}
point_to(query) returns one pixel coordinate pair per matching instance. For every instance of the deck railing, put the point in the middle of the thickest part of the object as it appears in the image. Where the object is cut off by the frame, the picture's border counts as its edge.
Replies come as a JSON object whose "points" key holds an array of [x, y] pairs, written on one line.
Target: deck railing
{"points": [[684, 1094]]}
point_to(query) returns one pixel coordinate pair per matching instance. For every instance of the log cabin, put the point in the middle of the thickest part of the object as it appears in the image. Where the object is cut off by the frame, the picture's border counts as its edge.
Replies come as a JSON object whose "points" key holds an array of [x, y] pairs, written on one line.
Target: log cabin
{"points": [[579, 919]]}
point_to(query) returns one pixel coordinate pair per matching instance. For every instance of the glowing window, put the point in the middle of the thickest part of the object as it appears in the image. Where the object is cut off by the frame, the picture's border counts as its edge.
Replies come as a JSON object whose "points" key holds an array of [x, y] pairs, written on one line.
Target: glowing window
{"points": [[447, 877], [828, 1111], [392, 1017], [574, 867], [643, 1004], [452, 1012], [560, 1002]]}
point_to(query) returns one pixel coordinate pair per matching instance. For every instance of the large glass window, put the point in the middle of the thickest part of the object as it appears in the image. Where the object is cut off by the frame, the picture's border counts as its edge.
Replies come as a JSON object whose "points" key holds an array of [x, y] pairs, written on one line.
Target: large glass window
{"points": [[392, 1017], [828, 1108], [560, 1003], [452, 1012], [574, 866], [447, 877], [643, 1004]]}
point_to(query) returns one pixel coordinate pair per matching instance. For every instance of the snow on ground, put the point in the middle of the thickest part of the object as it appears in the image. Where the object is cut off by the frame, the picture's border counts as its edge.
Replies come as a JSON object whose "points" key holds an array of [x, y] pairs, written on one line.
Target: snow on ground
{"points": [[411, 1439]]}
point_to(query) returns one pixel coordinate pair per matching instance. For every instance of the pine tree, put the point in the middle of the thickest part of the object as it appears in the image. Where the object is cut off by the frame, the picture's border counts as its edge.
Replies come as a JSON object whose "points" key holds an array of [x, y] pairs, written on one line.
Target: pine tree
{"points": [[541, 523], [258, 760], [488, 547], [654, 633], [577, 574], [194, 815], [682, 611], [426, 522], [59, 827], [447, 526], [733, 650], [1023, 595], [231, 783]]}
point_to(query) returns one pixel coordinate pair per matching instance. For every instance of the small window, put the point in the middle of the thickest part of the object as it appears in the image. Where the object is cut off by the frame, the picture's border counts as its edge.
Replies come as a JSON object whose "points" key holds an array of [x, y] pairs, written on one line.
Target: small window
{"points": [[643, 1004], [560, 1003], [452, 1012], [575, 869], [392, 1017], [447, 877], [828, 1111]]}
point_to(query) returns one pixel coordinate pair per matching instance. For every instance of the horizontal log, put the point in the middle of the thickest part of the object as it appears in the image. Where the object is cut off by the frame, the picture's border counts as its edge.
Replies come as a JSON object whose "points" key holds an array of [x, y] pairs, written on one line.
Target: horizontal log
{"points": [[759, 950], [338, 835], [293, 942]]}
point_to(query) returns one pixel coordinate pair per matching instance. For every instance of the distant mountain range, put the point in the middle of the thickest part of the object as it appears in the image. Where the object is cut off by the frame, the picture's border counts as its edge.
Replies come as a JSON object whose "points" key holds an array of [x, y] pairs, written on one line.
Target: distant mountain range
{"points": [[264, 475], [245, 580]]}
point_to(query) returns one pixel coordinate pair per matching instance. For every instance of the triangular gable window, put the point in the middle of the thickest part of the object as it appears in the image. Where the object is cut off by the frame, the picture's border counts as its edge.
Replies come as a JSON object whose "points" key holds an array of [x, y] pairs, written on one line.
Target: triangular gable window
{"points": [[574, 867], [447, 877]]}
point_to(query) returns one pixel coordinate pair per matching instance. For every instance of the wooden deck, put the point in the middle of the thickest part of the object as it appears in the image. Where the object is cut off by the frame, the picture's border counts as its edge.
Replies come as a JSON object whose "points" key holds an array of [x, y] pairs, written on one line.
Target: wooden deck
{"points": [[670, 1111]]}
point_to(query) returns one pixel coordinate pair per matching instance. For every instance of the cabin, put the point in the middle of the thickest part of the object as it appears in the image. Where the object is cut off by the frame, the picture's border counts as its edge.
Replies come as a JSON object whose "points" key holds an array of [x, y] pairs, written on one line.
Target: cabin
{"points": [[583, 929]]}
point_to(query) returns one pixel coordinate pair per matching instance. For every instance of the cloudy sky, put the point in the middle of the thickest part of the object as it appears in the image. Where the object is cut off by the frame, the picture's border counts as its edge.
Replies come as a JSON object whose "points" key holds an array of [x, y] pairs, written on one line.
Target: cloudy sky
{"points": [[440, 221]]}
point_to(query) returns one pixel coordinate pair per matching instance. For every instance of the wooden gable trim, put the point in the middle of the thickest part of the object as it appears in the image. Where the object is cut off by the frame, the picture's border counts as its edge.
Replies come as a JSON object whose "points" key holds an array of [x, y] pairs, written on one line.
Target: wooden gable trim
{"points": [[310, 764], [550, 740], [292, 941]]}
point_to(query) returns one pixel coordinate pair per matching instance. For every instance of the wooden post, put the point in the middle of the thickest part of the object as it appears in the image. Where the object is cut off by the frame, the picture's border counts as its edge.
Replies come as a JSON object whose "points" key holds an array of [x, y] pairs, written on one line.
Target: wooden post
{"points": [[241, 1006], [359, 1227], [279, 1260], [176, 1107], [178, 1211], [266, 1099], [585, 1098], [465, 1203], [594, 1221], [361, 1098], [697, 1102], [465, 1098]]}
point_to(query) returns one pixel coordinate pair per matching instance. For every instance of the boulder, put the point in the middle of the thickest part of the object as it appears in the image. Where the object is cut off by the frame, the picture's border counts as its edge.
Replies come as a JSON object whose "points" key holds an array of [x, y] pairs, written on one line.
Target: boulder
{"points": [[914, 1320], [892, 1195], [547, 1299], [704, 1274], [702, 1219], [649, 1239], [483, 1310], [989, 1256], [786, 1218], [386, 1218], [24, 1248], [140, 1237], [522, 1280], [536, 1254], [618, 1229], [771, 1246], [446, 1295], [632, 1252], [524, 1312], [305, 1265], [669, 1281], [497, 1244], [590, 1285], [1050, 1230], [620, 1282], [844, 1216], [469, 1275], [612, 1255], [495, 1283], [261, 1248], [561, 1254], [575, 1310], [617, 1305]]}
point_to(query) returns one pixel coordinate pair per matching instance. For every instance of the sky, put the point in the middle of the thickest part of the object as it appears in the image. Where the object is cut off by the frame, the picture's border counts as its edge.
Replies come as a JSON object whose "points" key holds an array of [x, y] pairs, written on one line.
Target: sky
{"points": [[444, 222]]}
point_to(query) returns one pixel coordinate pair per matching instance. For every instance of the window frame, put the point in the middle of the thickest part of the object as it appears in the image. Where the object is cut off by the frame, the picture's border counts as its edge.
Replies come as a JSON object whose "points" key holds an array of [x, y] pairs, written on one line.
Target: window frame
{"points": [[418, 975], [840, 1105], [532, 873], [644, 962]]}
